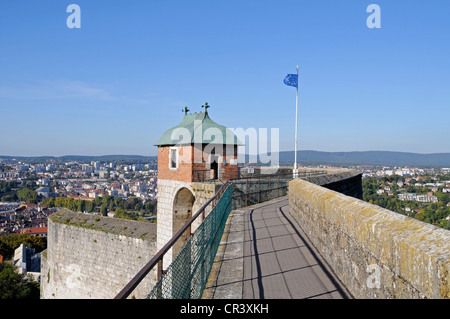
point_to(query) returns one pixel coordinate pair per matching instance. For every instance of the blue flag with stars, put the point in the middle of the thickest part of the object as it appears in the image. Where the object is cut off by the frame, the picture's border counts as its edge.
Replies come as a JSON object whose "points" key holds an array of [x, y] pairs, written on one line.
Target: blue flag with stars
{"points": [[291, 80]]}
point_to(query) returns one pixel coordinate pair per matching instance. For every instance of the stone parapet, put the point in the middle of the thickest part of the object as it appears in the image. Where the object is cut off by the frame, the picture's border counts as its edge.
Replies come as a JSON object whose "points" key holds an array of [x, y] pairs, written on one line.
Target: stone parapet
{"points": [[375, 252], [91, 256]]}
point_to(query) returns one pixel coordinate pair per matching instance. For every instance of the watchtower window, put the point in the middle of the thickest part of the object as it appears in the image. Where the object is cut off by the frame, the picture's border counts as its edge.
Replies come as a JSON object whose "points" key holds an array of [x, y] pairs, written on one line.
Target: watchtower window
{"points": [[173, 158]]}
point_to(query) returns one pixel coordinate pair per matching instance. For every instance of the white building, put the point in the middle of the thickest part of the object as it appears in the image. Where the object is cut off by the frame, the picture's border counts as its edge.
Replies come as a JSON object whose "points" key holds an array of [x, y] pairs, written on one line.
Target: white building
{"points": [[27, 261], [43, 191]]}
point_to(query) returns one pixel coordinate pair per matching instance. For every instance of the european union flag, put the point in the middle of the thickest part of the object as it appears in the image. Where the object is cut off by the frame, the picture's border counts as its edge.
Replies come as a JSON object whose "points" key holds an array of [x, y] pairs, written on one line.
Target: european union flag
{"points": [[291, 80]]}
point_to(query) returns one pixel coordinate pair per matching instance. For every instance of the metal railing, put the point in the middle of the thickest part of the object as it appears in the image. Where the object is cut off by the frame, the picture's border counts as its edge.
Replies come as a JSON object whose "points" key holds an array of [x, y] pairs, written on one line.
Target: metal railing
{"points": [[157, 260], [188, 273], [186, 276], [203, 175], [209, 175]]}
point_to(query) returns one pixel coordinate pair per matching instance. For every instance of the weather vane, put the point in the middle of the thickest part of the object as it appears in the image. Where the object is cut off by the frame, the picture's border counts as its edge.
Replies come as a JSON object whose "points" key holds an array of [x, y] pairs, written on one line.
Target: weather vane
{"points": [[206, 106]]}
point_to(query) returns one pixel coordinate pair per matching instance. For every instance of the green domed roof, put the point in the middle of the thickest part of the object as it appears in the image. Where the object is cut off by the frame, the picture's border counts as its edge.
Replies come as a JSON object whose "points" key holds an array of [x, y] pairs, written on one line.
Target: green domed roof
{"points": [[198, 128]]}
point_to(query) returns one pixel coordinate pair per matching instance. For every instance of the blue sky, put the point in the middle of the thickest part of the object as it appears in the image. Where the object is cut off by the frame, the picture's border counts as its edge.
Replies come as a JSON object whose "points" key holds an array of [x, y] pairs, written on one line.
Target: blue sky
{"points": [[117, 83]]}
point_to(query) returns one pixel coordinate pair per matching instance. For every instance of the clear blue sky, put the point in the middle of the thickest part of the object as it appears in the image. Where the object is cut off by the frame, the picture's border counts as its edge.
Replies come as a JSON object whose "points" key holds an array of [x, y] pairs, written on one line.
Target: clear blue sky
{"points": [[115, 85]]}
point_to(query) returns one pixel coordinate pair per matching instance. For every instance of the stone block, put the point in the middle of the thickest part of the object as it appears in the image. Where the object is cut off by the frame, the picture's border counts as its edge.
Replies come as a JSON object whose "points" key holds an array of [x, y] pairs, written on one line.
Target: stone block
{"points": [[376, 253]]}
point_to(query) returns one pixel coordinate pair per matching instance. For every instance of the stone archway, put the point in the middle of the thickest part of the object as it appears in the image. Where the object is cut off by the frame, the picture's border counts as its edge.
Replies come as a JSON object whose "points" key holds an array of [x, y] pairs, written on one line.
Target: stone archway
{"points": [[182, 212]]}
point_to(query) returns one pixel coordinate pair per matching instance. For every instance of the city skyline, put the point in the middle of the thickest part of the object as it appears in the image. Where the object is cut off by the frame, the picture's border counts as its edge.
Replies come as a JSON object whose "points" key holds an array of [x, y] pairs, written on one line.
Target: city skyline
{"points": [[117, 83]]}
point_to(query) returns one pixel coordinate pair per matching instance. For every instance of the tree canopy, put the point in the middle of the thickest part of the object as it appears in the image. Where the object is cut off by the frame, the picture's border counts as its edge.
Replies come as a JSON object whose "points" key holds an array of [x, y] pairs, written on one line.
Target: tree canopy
{"points": [[16, 286]]}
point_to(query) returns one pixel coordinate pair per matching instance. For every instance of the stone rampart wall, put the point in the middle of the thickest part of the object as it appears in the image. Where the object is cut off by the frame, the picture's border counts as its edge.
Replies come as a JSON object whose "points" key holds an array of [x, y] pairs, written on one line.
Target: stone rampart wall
{"points": [[344, 181], [91, 256], [375, 252]]}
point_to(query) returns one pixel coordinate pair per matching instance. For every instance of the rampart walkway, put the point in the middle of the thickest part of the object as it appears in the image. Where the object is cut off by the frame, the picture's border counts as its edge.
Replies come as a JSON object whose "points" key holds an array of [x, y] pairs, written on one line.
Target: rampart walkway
{"points": [[265, 255]]}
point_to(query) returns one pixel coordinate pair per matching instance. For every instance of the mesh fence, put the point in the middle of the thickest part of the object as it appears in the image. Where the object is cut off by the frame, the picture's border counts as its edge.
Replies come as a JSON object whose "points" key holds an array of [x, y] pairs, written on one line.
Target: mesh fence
{"points": [[253, 191], [186, 276]]}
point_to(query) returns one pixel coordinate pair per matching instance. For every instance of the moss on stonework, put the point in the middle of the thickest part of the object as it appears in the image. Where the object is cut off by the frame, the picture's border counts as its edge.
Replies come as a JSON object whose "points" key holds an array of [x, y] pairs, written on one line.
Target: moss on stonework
{"points": [[117, 226]]}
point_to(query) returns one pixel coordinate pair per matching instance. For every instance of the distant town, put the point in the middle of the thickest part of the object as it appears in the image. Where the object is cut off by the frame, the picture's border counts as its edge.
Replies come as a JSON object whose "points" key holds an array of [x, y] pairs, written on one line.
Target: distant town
{"points": [[106, 188], [30, 192], [421, 193]]}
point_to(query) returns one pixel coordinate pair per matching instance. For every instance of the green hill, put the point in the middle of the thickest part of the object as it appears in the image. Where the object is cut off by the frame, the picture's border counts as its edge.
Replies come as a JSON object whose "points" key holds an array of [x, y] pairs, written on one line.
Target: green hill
{"points": [[369, 158]]}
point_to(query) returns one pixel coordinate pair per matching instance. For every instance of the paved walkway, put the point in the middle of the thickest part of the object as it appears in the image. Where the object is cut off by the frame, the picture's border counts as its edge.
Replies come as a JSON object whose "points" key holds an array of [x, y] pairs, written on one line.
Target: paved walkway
{"points": [[265, 255]]}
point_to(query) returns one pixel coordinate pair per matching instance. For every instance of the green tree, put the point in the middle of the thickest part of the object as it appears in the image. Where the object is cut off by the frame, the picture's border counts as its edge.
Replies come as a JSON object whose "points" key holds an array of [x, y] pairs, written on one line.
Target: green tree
{"points": [[111, 206], [12, 197], [89, 206], [9, 243], [27, 195], [49, 202], [97, 201], [150, 207], [443, 197], [103, 209], [120, 213], [59, 202], [420, 216], [118, 201], [81, 205], [16, 286]]}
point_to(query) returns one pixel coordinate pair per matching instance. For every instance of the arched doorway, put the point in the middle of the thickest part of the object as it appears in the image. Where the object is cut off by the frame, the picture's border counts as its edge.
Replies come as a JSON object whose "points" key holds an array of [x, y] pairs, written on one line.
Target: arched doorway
{"points": [[214, 166], [182, 212]]}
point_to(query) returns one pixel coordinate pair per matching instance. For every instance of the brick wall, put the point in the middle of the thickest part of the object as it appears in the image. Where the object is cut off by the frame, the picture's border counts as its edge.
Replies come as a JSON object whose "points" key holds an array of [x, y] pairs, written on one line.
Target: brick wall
{"points": [[193, 158], [185, 159]]}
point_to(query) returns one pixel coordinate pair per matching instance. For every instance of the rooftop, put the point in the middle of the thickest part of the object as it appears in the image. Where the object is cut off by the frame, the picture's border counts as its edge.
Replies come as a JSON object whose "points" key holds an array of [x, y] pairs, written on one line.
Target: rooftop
{"points": [[198, 128]]}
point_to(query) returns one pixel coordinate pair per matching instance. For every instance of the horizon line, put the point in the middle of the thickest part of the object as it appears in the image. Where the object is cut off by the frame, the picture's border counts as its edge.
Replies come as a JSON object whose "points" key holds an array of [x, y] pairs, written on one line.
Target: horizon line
{"points": [[306, 150]]}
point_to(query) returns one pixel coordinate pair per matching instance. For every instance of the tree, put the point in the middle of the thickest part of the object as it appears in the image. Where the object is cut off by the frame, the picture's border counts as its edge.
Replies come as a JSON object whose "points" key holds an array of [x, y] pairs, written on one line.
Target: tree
{"points": [[118, 201], [103, 210], [49, 202], [10, 197], [411, 189], [10, 243], [81, 205], [27, 195], [150, 207], [89, 206], [111, 206], [131, 203], [97, 201], [16, 286], [120, 213], [420, 215], [443, 197]]}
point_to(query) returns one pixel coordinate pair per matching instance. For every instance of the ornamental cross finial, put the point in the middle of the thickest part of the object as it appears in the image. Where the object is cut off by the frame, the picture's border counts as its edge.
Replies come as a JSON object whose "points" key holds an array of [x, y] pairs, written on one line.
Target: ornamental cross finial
{"points": [[206, 106], [185, 110]]}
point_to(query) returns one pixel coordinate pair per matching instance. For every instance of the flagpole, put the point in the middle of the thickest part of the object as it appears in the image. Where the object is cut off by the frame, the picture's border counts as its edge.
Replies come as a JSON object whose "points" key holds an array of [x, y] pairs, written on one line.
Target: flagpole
{"points": [[295, 172]]}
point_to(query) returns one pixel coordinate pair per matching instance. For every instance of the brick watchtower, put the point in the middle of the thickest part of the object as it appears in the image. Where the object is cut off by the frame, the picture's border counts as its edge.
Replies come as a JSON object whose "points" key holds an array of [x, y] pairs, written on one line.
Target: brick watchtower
{"points": [[194, 158]]}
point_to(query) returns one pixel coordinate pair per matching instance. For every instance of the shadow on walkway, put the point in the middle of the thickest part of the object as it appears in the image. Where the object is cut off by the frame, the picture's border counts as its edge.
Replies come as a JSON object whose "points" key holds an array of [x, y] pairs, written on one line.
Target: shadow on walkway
{"points": [[264, 254]]}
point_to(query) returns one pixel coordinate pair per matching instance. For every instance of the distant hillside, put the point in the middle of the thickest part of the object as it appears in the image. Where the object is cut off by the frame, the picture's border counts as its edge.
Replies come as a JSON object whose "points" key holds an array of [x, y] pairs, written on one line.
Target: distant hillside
{"points": [[369, 158], [379, 158]]}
